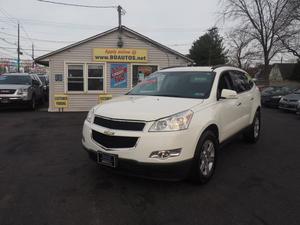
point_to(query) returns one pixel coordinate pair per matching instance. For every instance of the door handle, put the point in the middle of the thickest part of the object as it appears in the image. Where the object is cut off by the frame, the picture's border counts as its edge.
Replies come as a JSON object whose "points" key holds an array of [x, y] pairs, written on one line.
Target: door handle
{"points": [[239, 104], [252, 99]]}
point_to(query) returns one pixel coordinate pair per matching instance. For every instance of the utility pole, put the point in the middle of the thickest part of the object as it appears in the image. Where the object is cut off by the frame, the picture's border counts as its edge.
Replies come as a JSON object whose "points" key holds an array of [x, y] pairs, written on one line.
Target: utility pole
{"points": [[120, 15], [18, 48], [32, 55]]}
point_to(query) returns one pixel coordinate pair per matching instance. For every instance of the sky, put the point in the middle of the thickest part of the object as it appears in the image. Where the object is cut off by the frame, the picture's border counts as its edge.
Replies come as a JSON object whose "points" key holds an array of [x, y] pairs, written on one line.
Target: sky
{"points": [[173, 23]]}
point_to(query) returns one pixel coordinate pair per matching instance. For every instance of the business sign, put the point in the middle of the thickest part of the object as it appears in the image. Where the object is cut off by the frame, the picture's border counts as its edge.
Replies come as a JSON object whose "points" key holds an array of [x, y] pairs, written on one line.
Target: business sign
{"points": [[118, 75], [136, 55], [104, 97], [61, 101]]}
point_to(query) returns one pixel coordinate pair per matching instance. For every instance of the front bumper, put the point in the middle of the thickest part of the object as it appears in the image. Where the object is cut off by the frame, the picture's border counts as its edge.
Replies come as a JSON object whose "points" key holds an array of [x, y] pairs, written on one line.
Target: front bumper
{"points": [[147, 142], [157, 171], [137, 160], [288, 106], [13, 99]]}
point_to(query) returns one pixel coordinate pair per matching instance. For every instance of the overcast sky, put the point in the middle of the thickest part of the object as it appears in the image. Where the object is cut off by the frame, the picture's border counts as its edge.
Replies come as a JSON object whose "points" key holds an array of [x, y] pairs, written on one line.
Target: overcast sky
{"points": [[173, 23]]}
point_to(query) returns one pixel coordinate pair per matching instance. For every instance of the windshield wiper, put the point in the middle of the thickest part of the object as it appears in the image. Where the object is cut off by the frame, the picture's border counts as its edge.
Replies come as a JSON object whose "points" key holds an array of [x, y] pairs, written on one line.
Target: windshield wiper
{"points": [[170, 95]]}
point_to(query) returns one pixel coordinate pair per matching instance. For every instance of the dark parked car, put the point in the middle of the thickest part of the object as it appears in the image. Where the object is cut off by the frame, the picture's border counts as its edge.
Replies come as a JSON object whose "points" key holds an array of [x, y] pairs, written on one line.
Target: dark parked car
{"points": [[271, 96], [45, 80], [20, 89], [290, 102]]}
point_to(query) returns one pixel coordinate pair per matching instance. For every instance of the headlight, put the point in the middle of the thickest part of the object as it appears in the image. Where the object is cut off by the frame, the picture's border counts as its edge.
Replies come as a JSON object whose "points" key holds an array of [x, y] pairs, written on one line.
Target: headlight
{"points": [[277, 97], [179, 121], [90, 116], [22, 91]]}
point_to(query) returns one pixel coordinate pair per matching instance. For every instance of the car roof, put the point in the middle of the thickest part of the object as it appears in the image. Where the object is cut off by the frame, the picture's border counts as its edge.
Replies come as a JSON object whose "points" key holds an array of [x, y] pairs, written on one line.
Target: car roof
{"points": [[201, 69], [14, 74], [191, 68]]}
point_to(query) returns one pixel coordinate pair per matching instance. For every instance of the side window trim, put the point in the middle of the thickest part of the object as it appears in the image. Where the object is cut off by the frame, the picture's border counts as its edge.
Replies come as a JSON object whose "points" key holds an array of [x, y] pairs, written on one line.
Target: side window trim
{"points": [[226, 80]]}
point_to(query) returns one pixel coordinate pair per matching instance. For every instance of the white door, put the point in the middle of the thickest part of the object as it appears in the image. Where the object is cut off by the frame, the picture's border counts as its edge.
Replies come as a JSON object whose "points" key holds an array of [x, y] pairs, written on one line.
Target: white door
{"points": [[243, 88], [230, 110]]}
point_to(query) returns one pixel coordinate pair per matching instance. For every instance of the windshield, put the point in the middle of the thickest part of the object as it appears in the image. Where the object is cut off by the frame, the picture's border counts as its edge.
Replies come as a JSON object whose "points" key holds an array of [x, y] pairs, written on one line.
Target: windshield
{"points": [[15, 79], [176, 84], [43, 79], [275, 90]]}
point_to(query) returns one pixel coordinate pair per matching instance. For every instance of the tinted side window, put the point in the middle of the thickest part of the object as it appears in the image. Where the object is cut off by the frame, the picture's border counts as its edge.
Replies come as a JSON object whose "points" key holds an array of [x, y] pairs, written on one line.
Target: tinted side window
{"points": [[240, 81], [225, 82]]}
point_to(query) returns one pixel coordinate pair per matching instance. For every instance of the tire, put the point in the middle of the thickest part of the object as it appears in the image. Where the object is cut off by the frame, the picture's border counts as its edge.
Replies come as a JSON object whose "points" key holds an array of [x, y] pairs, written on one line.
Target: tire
{"points": [[205, 158], [252, 134], [32, 103]]}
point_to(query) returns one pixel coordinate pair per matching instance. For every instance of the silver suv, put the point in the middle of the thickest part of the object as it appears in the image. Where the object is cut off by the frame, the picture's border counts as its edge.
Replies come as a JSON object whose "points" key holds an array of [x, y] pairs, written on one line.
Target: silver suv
{"points": [[20, 88]]}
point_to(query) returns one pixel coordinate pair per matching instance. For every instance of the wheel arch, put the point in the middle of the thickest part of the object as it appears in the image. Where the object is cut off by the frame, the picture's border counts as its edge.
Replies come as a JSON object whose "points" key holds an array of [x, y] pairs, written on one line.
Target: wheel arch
{"points": [[214, 128]]}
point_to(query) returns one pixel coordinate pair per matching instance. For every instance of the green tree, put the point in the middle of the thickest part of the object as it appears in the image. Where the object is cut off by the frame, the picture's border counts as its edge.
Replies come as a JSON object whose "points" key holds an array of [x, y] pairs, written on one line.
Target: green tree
{"points": [[208, 50]]}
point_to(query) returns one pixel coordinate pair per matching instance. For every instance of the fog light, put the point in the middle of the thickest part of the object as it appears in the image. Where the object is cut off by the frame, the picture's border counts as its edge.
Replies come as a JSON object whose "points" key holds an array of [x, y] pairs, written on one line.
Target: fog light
{"points": [[165, 154]]}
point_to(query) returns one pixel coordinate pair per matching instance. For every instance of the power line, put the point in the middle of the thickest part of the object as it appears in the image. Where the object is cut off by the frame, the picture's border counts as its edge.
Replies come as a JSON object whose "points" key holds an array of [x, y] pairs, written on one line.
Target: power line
{"points": [[41, 50], [121, 11], [79, 5], [7, 16], [36, 39], [7, 42]]}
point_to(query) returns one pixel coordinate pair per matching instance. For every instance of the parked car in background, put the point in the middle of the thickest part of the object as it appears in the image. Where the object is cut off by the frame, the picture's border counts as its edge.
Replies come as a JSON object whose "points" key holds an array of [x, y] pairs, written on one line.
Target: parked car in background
{"points": [[290, 101], [20, 89], [271, 95], [45, 80], [170, 125]]}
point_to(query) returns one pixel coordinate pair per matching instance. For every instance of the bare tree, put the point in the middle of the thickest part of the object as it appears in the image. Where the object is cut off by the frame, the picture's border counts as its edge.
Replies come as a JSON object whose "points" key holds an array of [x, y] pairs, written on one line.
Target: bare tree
{"points": [[267, 20], [242, 49], [292, 44]]}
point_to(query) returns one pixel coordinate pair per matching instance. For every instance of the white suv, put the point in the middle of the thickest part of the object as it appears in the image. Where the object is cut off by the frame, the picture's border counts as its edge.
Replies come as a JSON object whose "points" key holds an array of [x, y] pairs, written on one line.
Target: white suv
{"points": [[171, 124]]}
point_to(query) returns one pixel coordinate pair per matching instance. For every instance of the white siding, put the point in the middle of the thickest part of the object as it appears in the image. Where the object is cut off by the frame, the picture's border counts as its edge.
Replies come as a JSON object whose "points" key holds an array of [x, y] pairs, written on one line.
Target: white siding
{"points": [[84, 54]]}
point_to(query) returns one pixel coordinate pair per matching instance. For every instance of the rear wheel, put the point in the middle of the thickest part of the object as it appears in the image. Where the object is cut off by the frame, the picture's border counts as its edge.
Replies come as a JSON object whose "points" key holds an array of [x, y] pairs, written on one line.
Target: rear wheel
{"points": [[205, 158], [252, 134]]}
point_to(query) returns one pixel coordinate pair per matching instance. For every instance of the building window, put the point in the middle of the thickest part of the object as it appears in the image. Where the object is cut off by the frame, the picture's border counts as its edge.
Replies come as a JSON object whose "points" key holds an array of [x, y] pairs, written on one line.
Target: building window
{"points": [[75, 78], [95, 77], [140, 72]]}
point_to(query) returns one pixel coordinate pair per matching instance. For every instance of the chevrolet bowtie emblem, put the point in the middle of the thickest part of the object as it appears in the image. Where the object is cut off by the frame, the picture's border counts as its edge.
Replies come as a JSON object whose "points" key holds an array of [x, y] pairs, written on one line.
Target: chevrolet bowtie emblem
{"points": [[109, 133]]}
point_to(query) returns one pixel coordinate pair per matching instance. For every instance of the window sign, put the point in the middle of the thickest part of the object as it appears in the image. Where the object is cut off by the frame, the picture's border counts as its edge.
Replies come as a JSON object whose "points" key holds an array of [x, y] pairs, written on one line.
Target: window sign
{"points": [[118, 75], [140, 72]]}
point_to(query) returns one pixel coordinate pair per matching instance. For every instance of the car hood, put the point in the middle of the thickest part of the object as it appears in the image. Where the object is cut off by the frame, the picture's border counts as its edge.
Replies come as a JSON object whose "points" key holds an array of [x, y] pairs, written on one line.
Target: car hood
{"points": [[145, 108], [13, 86], [292, 97]]}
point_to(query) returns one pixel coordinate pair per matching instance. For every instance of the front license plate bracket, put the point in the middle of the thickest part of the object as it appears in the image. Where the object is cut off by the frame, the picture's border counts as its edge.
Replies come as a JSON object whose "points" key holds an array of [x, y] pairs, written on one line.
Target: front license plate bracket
{"points": [[107, 159]]}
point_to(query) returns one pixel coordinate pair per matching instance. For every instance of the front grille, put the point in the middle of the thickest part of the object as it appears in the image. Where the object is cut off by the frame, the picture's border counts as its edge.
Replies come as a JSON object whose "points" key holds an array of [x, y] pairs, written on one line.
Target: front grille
{"points": [[293, 100], [7, 91], [119, 125], [114, 141]]}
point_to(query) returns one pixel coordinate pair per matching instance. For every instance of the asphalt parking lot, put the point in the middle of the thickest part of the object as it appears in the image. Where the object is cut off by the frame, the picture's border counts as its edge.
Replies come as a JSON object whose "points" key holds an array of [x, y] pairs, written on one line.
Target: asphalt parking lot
{"points": [[47, 179]]}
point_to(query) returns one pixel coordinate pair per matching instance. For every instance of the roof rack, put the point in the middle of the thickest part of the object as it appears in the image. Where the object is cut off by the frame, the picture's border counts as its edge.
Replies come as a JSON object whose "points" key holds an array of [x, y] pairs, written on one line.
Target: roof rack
{"points": [[171, 67], [221, 65]]}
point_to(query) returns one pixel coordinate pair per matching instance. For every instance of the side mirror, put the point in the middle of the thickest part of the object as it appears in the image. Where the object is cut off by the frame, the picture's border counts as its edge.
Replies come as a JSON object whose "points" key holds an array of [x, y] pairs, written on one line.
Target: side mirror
{"points": [[228, 94]]}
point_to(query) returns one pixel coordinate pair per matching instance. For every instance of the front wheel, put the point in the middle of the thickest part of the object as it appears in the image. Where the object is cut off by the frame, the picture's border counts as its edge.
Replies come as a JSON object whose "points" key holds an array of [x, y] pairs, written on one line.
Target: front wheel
{"points": [[205, 158], [252, 134]]}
